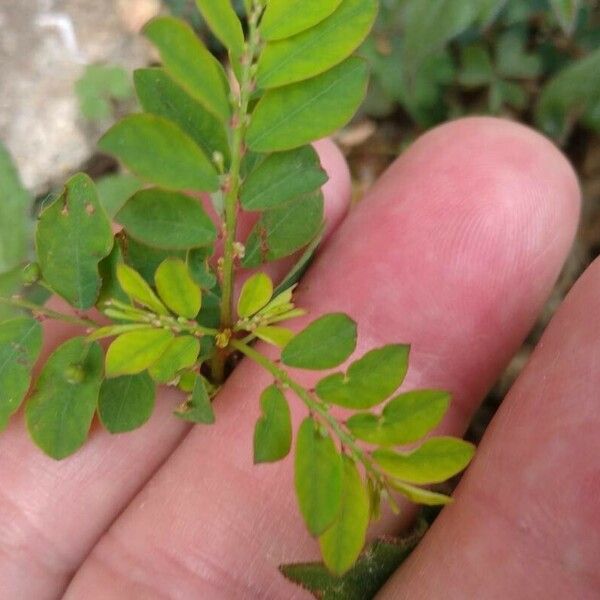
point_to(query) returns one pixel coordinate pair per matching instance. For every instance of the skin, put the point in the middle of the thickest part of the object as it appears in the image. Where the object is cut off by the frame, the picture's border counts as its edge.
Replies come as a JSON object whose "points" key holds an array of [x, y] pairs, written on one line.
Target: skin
{"points": [[454, 250]]}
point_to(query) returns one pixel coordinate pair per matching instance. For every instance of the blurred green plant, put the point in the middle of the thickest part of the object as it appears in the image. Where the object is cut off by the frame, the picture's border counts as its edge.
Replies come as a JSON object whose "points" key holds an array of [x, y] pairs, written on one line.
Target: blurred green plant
{"points": [[99, 88]]}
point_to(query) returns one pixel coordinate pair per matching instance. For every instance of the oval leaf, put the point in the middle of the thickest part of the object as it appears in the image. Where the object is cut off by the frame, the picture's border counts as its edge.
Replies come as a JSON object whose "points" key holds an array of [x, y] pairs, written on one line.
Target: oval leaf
{"points": [[181, 354], [167, 220], [318, 49], [157, 150], [135, 286], [177, 289], [198, 408], [435, 461], [277, 336], [73, 235], [224, 23], [256, 293], [273, 432], [318, 477], [60, 411], [300, 113], [126, 403]]}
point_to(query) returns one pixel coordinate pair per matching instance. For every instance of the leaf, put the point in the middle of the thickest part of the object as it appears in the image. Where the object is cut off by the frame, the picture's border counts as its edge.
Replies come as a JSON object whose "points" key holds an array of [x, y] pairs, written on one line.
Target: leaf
{"points": [[126, 403], [15, 204], [181, 354], [477, 68], [369, 381], [132, 353], [318, 477], [73, 236], [177, 289], [282, 177], [115, 330], [286, 18], [404, 420], [167, 220], [160, 152], [324, 344], [224, 23], [161, 96], [190, 64], [419, 495], [60, 411], [99, 86], [566, 12], [20, 346], [342, 543], [134, 285], [277, 336], [198, 408], [115, 190], [273, 431], [318, 49], [283, 231], [435, 461], [300, 113], [197, 260], [145, 259], [111, 288], [256, 293]]}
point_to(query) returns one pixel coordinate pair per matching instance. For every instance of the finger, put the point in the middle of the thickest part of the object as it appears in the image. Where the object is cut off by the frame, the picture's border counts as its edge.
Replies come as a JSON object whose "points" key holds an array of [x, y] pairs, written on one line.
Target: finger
{"points": [[52, 513], [454, 251], [526, 521]]}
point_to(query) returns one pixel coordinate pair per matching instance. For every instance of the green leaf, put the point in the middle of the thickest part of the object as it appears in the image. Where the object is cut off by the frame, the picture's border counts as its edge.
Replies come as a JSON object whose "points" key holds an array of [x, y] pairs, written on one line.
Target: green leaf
{"points": [[435, 461], [419, 495], [256, 293], [20, 346], [73, 235], [318, 49], [342, 543], [111, 288], [115, 190], [190, 64], [177, 289], [324, 344], [198, 408], [60, 411], [318, 477], [98, 87], [282, 177], [283, 231], [566, 12], [161, 96], [115, 330], [15, 205], [273, 432], [126, 403], [404, 420], [286, 18], [167, 220], [181, 354], [300, 113], [477, 68], [134, 285], [369, 381], [132, 353], [198, 264], [146, 259], [160, 152], [224, 23], [277, 336]]}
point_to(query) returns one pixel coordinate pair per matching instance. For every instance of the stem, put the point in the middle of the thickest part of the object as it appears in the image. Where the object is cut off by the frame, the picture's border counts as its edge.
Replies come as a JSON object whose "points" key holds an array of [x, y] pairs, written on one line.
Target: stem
{"points": [[47, 312]]}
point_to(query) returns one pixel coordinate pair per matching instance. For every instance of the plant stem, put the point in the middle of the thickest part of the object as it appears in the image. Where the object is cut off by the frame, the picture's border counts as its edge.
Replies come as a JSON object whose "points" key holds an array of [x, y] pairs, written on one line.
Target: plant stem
{"points": [[46, 312]]}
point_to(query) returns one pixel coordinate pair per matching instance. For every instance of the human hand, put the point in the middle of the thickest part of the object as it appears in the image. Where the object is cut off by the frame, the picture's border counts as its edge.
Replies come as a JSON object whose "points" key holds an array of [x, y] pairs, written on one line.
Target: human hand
{"points": [[468, 231]]}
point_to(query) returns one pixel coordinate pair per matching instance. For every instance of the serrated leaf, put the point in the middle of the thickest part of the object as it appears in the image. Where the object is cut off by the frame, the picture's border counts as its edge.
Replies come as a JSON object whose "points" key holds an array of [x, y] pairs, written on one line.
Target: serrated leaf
{"points": [[566, 12], [298, 114], [190, 64], [115, 190], [282, 177], [134, 285], [160, 152], [167, 220], [177, 289], [324, 344], [20, 346], [318, 477], [126, 403], [368, 381], [256, 293], [318, 49], [435, 461], [419, 495], [197, 260], [198, 408], [404, 420], [283, 231], [342, 543], [224, 23], [286, 18], [60, 411], [73, 235], [273, 431], [132, 353], [277, 336], [161, 96], [181, 354]]}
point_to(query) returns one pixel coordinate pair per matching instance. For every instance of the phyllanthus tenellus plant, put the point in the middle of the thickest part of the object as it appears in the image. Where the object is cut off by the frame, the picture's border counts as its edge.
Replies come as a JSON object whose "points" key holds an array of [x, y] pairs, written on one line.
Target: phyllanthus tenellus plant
{"points": [[163, 286]]}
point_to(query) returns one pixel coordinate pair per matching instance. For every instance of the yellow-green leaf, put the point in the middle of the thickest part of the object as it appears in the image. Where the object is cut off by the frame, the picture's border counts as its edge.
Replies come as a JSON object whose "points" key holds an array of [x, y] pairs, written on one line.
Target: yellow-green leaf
{"points": [[273, 431], [177, 289], [278, 336], [256, 293], [224, 23], [419, 495], [134, 352], [135, 286], [181, 354]]}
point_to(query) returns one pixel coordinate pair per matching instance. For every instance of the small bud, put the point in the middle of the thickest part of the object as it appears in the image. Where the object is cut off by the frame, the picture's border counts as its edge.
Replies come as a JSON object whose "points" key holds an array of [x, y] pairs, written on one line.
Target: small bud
{"points": [[31, 274]]}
